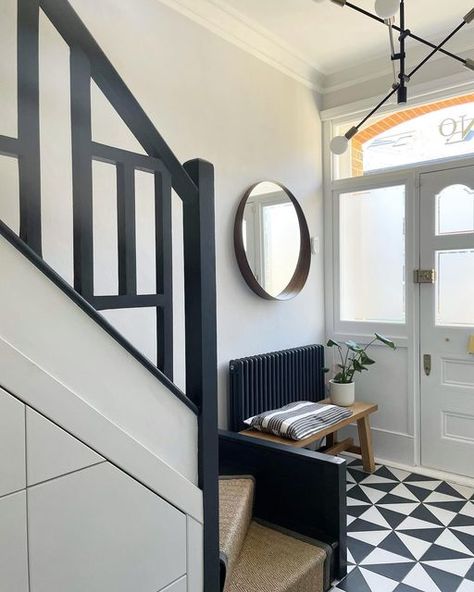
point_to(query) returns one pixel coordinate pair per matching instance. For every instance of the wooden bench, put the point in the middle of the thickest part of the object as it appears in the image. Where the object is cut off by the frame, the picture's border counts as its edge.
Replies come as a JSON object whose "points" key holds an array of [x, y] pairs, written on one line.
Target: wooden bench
{"points": [[360, 413]]}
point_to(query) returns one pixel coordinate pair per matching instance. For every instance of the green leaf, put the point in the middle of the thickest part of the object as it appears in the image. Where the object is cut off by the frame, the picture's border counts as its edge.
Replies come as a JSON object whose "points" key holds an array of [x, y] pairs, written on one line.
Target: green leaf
{"points": [[364, 358], [325, 370], [353, 346], [385, 340], [332, 343]]}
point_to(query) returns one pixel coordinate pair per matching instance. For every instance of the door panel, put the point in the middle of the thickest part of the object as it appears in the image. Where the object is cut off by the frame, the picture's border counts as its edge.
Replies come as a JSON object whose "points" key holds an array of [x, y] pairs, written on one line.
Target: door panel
{"points": [[447, 320]]}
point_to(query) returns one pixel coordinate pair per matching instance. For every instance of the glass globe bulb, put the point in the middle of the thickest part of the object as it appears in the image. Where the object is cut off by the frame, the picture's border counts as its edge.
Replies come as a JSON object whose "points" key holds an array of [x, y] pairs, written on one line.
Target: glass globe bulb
{"points": [[386, 9], [339, 144]]}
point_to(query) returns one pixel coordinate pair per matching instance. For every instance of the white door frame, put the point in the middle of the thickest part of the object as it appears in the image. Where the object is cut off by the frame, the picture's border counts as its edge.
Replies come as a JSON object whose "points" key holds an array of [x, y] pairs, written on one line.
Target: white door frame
{"points": [[408, 336]]}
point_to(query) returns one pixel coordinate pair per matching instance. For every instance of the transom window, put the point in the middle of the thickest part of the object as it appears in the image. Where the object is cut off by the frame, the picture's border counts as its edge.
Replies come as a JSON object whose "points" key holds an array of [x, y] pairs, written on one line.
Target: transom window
{"points": [[444, 129]]}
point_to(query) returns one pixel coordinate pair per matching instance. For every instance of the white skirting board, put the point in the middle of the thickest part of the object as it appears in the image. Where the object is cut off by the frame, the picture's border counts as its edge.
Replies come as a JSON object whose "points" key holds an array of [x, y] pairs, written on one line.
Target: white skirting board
{"points": [[391, 446], [398, 451]]}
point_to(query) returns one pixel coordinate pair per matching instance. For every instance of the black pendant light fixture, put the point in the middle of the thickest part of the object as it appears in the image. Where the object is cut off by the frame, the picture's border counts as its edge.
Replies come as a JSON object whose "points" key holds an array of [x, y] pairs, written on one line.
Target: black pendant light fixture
{"points": [[385, 13]]}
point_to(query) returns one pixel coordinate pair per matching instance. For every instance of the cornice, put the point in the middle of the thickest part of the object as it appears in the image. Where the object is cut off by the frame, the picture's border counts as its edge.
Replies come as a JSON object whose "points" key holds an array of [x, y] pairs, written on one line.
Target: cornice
{"points": [[247, 34], [238, 29]]}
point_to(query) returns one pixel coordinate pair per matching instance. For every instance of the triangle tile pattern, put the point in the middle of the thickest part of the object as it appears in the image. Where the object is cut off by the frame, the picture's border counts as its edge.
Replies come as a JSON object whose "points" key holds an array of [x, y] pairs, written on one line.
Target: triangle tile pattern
{"points": [[407, 533]]}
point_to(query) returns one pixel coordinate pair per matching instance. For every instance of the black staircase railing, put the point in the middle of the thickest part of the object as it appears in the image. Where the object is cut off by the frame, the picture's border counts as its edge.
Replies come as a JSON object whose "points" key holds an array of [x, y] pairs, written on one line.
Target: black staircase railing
{"points": [[193, 183]]}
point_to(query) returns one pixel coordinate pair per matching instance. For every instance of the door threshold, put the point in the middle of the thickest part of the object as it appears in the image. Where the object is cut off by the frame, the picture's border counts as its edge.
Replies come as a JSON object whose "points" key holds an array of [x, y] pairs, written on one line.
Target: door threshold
{"points": [[427, 472]]}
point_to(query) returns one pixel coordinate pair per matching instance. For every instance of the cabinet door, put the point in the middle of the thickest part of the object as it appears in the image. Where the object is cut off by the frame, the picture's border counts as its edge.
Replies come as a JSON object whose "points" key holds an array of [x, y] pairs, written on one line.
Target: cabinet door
{"points": [[13, 548], [12, 444], [97, 529]]}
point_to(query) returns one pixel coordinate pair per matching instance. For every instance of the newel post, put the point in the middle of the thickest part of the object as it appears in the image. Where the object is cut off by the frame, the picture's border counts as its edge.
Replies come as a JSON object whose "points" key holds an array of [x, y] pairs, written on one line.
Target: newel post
{"points": [[201, 348]]}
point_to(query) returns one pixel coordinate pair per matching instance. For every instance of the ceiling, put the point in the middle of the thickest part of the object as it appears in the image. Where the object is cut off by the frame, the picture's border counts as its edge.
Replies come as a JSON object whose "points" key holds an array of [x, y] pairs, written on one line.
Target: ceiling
{"points": [[324, 45], [332, 38]]}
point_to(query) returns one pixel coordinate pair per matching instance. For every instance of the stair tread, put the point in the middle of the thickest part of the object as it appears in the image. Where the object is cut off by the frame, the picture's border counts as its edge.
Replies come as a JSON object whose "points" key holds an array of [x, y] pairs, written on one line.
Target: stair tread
{"points": [[235, 513], [271, 561]]}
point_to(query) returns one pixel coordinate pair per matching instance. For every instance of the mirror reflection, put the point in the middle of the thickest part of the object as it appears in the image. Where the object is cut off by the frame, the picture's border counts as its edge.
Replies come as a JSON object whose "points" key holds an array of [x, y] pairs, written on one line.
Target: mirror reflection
{"points": [[271, 236]]}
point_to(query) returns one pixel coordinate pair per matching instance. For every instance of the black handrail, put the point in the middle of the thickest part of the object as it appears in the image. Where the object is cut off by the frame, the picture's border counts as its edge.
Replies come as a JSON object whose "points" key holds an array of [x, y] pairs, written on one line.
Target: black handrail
{"points": [[67, 289]]}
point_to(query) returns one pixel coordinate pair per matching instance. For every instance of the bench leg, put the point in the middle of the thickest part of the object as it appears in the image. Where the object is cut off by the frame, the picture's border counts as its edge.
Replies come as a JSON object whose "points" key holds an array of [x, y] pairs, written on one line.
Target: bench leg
{"points": [[365, 439], [338, 447]]}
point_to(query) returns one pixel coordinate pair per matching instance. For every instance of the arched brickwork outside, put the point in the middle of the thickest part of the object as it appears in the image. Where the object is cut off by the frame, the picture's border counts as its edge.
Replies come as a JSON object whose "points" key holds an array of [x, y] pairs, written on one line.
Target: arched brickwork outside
{"points": [[391, 121]]}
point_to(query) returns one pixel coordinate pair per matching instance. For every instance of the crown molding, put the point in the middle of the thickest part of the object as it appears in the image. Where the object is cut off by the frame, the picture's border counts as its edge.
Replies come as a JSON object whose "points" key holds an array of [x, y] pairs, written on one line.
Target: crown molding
{"points": [[247, 34]]}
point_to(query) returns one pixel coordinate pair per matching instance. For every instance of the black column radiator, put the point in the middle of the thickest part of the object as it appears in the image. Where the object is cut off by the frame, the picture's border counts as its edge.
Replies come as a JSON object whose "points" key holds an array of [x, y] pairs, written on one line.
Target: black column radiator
{"points": [[268, 381]]}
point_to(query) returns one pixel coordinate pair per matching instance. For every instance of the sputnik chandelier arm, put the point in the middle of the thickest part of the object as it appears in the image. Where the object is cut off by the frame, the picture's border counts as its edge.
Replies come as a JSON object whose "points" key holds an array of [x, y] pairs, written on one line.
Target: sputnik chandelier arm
{"points": [[385, 14], [407, 31], [392, 50]]}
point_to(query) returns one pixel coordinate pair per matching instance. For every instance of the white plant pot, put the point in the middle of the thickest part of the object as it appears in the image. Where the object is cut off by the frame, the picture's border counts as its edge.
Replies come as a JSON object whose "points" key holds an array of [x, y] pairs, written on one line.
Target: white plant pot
{"points": [[342, 394]]}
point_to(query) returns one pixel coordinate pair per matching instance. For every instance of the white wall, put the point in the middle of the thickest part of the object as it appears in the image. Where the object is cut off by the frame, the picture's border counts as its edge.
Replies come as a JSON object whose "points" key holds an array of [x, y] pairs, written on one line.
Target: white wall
{"points": [[212, 100]]}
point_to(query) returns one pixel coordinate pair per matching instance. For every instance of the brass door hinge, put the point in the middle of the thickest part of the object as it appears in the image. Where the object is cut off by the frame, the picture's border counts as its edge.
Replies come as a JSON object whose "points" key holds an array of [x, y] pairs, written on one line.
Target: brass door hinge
{"points": [[424, 276]]}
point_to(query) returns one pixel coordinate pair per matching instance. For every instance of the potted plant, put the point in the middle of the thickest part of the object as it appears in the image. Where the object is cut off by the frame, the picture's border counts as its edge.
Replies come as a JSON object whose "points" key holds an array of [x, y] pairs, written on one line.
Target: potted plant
{"points": [[353, 358]]}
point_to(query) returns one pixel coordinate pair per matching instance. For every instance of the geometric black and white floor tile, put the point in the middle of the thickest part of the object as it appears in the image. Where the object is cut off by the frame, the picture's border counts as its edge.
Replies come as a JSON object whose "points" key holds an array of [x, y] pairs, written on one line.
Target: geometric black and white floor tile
{"points": [[407, 533]]}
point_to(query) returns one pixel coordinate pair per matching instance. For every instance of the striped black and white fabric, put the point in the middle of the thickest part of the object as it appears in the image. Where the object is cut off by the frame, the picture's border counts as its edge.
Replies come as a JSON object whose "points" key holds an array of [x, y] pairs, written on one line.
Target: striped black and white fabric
{"points": [[299, 420]]}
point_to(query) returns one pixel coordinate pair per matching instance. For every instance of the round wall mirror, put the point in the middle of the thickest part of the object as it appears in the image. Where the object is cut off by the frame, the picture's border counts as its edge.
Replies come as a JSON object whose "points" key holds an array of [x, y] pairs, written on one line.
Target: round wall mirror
{"points": [[272, 243]]}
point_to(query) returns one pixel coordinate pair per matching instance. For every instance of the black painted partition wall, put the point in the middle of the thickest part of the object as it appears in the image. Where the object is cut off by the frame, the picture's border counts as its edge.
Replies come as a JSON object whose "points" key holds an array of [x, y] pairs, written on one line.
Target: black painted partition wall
{"points": [[193, 183], [298, 489]]}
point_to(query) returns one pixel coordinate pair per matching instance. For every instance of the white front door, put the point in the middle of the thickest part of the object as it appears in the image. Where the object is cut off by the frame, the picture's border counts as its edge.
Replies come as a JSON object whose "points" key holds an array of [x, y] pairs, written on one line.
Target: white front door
{"points": [[447, 320]]}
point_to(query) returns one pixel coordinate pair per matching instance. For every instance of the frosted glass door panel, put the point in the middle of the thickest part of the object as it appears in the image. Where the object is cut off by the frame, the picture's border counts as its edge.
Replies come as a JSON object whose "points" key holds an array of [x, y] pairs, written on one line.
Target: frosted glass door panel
{"points": [[455, 294], [455, 210]]}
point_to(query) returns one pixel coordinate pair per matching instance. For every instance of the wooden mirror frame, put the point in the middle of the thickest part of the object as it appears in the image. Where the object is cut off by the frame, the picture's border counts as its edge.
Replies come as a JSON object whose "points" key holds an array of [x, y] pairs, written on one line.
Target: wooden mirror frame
{"points": [[300, 275]]}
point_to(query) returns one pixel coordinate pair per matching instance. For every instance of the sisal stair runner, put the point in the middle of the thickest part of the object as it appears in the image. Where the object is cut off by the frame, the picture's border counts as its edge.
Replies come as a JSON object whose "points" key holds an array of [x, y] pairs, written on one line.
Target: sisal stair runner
{"points": [[259, 557]]}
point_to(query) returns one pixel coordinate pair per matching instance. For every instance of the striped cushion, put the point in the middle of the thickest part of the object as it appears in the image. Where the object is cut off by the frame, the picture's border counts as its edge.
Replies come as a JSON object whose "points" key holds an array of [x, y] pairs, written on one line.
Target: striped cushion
{"points": [[297, 421]]}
